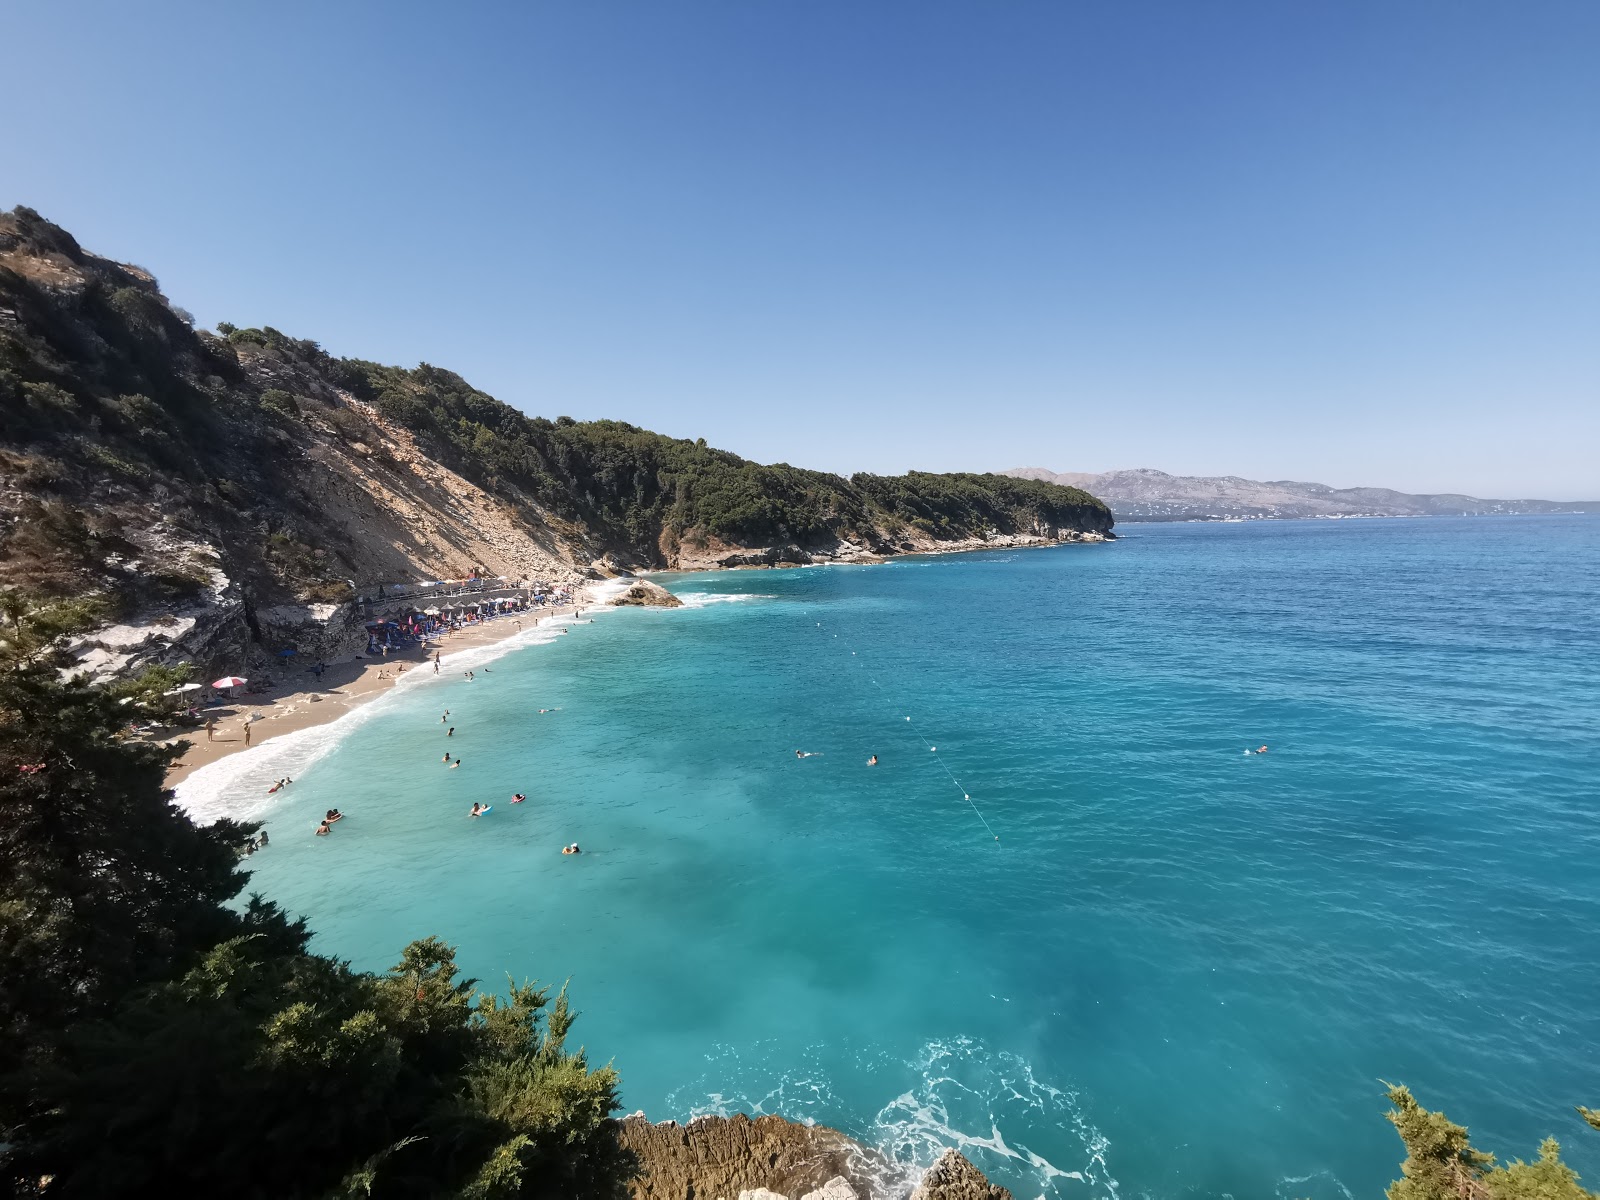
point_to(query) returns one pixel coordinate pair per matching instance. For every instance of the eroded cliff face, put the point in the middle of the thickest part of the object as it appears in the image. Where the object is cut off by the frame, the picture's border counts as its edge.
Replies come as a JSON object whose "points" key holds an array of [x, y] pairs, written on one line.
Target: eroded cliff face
{"points": [[769, 1158]]}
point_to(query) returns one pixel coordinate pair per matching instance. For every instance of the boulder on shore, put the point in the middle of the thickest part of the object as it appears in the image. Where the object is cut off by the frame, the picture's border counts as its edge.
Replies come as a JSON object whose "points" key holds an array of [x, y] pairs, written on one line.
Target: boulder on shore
{"points": [[649, 595]]}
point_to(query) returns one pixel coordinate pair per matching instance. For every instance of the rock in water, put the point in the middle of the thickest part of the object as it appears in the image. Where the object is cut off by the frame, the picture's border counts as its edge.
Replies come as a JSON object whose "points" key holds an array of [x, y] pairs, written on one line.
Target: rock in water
{"points": [[954, 1178], [648, 595]]}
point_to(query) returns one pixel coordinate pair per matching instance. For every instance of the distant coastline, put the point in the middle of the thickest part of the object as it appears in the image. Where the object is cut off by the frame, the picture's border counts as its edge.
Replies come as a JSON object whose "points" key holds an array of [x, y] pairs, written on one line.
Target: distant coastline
{"points": [[1147, 495]]}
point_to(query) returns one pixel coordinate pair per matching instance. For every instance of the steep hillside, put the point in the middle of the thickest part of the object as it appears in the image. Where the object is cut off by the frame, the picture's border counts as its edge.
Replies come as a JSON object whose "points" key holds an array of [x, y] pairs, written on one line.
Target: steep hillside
{"points": [[1146, 495], [217, 493]]}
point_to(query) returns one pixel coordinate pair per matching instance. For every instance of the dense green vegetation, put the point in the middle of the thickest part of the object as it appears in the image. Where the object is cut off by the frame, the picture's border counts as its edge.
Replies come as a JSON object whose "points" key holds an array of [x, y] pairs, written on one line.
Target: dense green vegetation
{"points": [[1441, 1163], [119, 414], [157, 1037], [631, 485]]}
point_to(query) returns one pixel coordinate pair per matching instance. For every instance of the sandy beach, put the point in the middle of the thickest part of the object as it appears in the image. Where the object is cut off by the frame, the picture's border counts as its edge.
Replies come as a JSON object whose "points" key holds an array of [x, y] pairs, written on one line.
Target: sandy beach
{"points": [[302, 701]]}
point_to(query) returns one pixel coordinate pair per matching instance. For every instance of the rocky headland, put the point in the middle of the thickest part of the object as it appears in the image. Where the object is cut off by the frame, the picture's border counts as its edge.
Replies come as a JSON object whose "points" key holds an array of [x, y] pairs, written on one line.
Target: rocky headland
{"points": [[220, 495], [769, 1158]]}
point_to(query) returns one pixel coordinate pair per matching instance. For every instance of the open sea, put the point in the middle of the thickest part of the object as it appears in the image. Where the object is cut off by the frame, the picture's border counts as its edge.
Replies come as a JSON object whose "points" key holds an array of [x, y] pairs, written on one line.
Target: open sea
{"points": [[1138, 962]]}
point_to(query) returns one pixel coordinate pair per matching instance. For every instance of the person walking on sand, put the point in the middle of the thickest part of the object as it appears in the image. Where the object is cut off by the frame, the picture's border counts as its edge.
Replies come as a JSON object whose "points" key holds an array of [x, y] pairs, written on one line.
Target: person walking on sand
{"points": [[247, 733], [211, 729]]}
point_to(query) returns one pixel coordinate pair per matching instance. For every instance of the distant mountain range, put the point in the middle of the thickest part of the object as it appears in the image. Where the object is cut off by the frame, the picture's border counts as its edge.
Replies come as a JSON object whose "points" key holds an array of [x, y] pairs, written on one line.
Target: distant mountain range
{"points": [[1146, 495]]}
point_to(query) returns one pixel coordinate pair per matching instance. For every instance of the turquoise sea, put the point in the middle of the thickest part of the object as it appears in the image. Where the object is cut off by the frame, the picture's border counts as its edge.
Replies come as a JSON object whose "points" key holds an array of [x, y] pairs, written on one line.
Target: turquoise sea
{"points": [[1181, 970]]}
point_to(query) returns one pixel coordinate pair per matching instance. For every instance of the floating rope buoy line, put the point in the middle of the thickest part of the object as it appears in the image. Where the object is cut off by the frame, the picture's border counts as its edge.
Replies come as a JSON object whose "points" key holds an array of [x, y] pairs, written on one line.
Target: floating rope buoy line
{"points": [[932, 749]]}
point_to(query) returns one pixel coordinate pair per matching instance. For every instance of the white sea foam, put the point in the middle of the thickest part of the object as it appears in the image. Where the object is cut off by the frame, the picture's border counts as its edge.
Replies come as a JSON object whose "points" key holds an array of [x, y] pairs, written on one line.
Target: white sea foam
{"points": [[236, 786], [962, 1096], [702, 599]]}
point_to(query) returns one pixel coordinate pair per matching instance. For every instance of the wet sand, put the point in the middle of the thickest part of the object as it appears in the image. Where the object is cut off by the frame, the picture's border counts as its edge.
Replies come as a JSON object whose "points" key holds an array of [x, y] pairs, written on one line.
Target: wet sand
{"points": [[300, 701]]}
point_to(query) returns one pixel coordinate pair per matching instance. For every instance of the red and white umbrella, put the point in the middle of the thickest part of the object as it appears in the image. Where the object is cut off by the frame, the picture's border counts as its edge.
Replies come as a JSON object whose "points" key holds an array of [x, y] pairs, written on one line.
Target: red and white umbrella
{"points": [[230, 681]]}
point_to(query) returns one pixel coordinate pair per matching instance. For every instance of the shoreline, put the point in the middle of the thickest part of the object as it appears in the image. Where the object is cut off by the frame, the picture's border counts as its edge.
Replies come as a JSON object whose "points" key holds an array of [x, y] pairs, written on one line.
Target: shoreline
{"points": [[346, 687]]}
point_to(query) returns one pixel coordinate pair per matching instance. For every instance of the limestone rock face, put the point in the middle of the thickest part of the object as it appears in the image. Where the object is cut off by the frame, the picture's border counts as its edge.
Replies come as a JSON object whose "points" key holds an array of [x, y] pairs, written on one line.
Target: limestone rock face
{"points": [[720, 1158], [954, 1178], [769, 1158], [649, 595]]}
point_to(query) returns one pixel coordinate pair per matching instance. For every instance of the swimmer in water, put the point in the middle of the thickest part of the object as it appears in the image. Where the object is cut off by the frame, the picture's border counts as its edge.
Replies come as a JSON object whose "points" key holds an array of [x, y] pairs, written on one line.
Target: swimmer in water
{"points": [[452, 732], [873, 761], [446, 758], [324, 829], [518, 798], [476, 808], [455, 764], [807, 754], [572, 849]]}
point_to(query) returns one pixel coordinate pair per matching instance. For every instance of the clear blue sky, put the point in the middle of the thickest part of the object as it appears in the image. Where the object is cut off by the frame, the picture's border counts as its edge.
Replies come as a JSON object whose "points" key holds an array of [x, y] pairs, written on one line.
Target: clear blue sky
{"points": [[1351, 242]]}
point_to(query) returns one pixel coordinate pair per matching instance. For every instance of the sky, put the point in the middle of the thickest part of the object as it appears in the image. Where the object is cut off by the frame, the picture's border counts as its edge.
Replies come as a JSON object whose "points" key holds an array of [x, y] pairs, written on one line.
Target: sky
{"points": [[1355, 242]]}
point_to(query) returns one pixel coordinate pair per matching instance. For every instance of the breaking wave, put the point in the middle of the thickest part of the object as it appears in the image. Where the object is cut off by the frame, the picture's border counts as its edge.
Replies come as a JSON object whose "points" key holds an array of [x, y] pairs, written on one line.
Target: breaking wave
{"points": [[953, 1094]]}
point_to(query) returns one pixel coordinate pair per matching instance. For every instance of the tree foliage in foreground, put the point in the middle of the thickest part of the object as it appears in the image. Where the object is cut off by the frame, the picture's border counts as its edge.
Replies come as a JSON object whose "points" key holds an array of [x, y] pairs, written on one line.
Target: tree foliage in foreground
{"points": [[1441, 1163], [155, 1040]]}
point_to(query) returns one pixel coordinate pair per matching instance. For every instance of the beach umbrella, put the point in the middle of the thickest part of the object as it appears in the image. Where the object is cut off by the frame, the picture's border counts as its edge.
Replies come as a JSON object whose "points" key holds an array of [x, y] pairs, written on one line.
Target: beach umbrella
{"points": [[182, 688], [229, 681], [432, 612]]}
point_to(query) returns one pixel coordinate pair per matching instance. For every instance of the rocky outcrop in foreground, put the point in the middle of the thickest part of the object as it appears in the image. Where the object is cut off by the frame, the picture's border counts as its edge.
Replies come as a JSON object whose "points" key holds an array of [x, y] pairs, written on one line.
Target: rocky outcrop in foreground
{"points": [[769, 1158], [645, 594]]}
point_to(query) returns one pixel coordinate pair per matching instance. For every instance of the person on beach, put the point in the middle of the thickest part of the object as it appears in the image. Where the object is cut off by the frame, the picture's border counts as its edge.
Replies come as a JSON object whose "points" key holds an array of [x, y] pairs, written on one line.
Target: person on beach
{"points": [[324, 829], [436, 666], [873, 761], [211, 729], [247, 734]]}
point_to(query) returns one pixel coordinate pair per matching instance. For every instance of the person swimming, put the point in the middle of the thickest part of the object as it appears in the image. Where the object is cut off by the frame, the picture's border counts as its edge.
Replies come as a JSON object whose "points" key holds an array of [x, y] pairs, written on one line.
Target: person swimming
{"points": [[572, 849], [518, 798], [1262, 750], [446, 757], [451, 732], [476, 808], [324, 829], [873, 761], [333, 815], [807, 754], [455, 764]]}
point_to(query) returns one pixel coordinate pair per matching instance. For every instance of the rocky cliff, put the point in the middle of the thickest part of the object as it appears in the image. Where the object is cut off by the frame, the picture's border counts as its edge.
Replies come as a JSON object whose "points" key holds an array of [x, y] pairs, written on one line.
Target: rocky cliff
{"points": [[224, 494], [769, 1158]]}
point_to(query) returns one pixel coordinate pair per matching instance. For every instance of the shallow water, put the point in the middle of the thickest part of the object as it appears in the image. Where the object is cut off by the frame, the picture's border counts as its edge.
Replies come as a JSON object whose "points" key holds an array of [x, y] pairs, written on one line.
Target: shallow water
{"points": [[1182, 970]]}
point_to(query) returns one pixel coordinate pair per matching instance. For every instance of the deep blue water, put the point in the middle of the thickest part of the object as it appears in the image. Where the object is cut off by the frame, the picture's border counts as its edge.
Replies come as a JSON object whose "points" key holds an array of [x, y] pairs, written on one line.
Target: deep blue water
{"points": [[1181, 971]]}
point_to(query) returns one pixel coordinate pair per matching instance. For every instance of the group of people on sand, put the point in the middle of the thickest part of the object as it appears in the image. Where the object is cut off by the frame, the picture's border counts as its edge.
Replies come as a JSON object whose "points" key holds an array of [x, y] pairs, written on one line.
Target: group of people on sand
{"points": [[326, 827]]}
